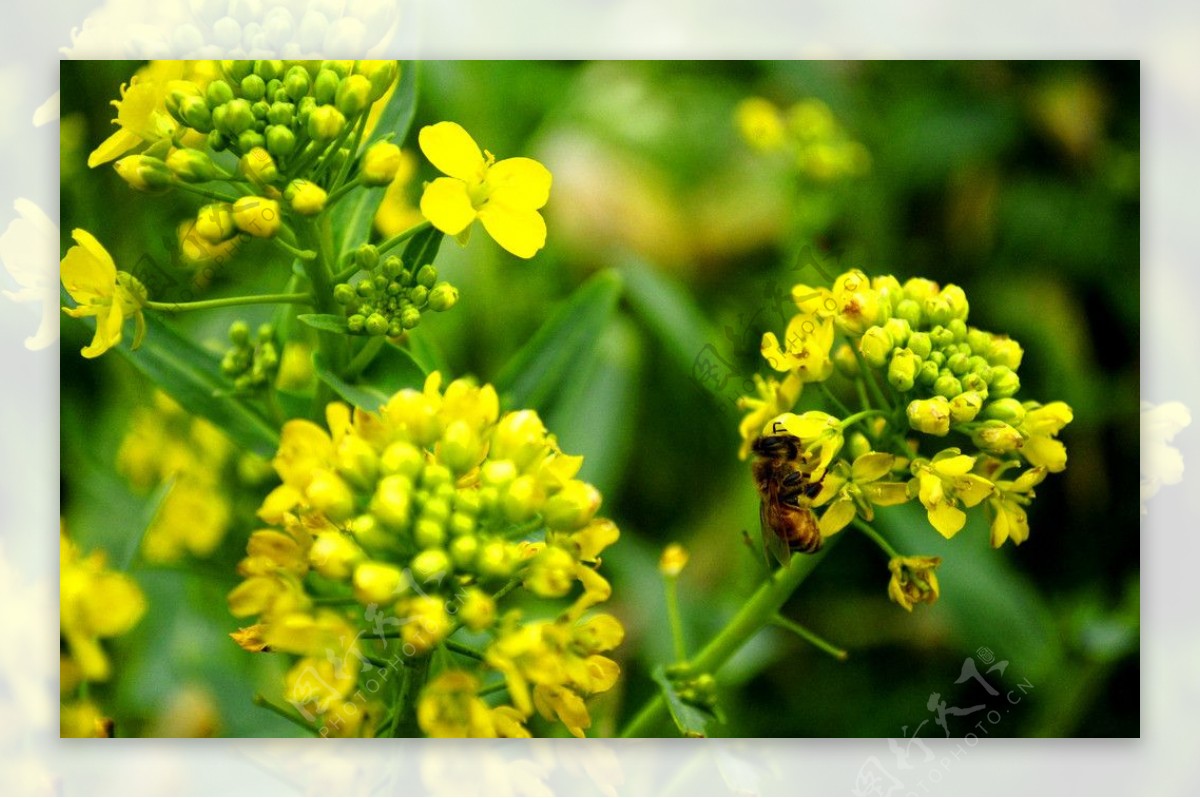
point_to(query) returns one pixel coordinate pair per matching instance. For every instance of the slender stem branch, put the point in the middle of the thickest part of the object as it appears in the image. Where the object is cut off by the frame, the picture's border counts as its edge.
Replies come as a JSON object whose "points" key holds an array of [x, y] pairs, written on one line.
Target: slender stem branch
{"points": [[260, 701], [204, 192], [466, 651], [365, 355], [403, 236], [302, 254], [359, 127], [492, 688], [341, 191], [880, 541], [859, 416], [810, 637], [670, 587], [231, 301], [756, 613], [869, 378], [833, 400]]}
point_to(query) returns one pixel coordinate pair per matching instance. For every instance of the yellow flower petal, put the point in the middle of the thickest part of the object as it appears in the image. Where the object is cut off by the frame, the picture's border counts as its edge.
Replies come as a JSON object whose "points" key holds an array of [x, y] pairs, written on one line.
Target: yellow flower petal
{"points": [[1046, 453], [108, 332], [521, 232], [519, 183], [447, 206], [972, 489], [452, 150], [87, 271], [113, 147], [837, 517], [947, 519], [871, 466]]}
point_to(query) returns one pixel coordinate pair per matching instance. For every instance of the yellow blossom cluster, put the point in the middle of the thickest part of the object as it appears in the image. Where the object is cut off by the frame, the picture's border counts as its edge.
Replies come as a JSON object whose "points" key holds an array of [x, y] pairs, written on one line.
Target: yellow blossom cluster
{"points": [[922, 374], [402, 544], [808, 132], [165, 444]]}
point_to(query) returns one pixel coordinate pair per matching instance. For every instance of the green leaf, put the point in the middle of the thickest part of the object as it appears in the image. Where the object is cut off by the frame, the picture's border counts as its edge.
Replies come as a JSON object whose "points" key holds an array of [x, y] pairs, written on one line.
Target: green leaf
{"points": [[150, 511], [422, 248], [691, 720], [397, 116], [325, 321], [393, 369], [534, 375], [192, 376], [425, 351]]}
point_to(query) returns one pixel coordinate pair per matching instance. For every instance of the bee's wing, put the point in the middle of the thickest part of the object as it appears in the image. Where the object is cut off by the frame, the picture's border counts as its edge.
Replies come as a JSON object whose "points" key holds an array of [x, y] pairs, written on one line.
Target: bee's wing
{"points": [[774, 546]]}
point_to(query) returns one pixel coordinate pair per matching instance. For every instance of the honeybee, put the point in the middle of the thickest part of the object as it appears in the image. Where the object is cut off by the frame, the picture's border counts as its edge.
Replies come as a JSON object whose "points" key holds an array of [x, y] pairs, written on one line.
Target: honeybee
{"points": [[786, 493]]}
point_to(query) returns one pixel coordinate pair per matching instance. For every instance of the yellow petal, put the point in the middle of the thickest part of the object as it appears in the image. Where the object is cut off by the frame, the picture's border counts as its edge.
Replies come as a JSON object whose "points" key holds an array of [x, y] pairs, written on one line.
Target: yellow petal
{"points": [[837, 517], [108, 332], [521, 232], [954, 466], [87, 271], [113, 147], [971, 489], [447, 206], [886, 494], [452, 150], [947, 519], [773, 353], [871, 466], [1046, 453], [519, 183]]}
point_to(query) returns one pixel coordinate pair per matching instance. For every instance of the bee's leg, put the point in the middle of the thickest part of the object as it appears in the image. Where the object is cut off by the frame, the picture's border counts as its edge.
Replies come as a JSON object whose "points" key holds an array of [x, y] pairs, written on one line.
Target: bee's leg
{"points": [[756, 551]]}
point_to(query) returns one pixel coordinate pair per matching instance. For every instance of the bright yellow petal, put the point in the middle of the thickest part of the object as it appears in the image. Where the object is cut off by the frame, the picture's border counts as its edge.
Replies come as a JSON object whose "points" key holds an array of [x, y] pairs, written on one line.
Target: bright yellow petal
{"points": [[108, 332], [972, 489], [947, 519], [886, 494], [521, 232], [837, 517], [1046, 453], [452, 150], [446, 205], [87, 271], [871, 466], [773, 353], [954, 466], [113, 147], [519, 183]]}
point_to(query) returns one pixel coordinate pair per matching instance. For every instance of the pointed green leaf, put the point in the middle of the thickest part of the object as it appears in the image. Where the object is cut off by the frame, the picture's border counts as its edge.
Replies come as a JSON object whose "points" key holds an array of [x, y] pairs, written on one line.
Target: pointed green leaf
{"points": [[393, 369], [325, 321], [691, 720]]}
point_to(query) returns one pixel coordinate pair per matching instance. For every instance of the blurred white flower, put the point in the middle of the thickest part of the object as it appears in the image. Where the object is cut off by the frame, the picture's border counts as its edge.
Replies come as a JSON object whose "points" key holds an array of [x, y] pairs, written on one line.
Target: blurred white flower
{"points": [[238, 29], [29, 250], [1162, 464]]}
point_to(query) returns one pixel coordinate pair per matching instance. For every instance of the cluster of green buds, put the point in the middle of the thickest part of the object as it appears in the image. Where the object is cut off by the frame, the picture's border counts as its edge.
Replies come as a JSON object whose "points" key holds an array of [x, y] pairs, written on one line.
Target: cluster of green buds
{"points": [[250, 363], [697, 689], [420, 520], [391, 297], [820, 148]]}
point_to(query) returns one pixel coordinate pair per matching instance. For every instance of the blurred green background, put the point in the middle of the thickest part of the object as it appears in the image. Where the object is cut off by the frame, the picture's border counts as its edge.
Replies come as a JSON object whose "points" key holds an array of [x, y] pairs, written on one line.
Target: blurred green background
{"points": [[1017, 181]]}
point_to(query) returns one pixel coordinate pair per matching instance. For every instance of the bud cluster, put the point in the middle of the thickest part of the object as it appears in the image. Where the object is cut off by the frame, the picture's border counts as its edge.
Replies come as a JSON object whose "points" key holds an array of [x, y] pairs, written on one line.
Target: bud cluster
{"points": [[251, 364], [391, 297], [820, 148]]}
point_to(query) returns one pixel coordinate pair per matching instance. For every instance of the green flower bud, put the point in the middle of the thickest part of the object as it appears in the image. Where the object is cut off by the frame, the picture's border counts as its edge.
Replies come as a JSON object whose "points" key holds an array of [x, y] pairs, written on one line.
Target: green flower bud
{"points": [[144, 173], [956, 300], [353, 95], [380, 162], [218, 93], [1004, 382], [462, 524], [365, 288], [435, 476], [340, 68], [418, 295], [899, 330], [442, 297], [191, 166], [325, 87], [498, 473], [1005, 352], [845, 362], [257, 216], [427, 275], [910, 311], [572, 507], [410, 317], [931, 416], [978, 365], [217, 141], [494, 560], [957, 363], [391, 504], [239, 333], [356, 322], [997, 437], [281, 114], [522, 499], [329, 494], [381, 74], [428, 533], [236, 70], [965, 407], [254, 88], [356, 460], [463, 551], [876, 346], [947, 385], [941, 337], [431, 565], [902, 370], [857, 445], [1009, 411], [467, 501], [974, 382], [460, 447], [921, 344], [214, 223], [376, 325], [296, 83], [959, 329], [403, 459], [928, 373], [258, 165], [176, 92], [478, 610], [980, 341], [393, 267], [235, 118], [343, 294], [308, 199], [268, 70], [378, 582], [325, 123], [937, 309], [919, 289], [249, 139], [367, 257], [193, 112]]}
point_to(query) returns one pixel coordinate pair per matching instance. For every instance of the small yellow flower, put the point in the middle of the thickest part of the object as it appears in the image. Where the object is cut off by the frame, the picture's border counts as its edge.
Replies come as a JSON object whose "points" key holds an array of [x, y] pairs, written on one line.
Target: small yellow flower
{"points": [[673, 560], [1007, 504], [774, 397], [806, 348], [857, 489], [504, 195], [1042, 425], [94, 603], [913, 580], [83, 719], [451, 707], [91, 278], [945, 482], [760, 124]]}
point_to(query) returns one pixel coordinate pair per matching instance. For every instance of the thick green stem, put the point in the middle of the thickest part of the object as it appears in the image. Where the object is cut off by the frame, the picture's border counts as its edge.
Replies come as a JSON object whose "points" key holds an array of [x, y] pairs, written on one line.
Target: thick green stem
{"points": [[756, 613], [232, 301], [331, 345]]}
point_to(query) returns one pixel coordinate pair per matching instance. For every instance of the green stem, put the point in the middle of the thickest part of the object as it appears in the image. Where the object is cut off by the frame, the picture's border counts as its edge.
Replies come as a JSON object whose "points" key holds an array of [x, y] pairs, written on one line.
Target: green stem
{"points": [[340, 192], [870, 532], [466, 651], [670, 586], [859, 416], [808, 636], [260, 701], [204, 192], [414, 681], [833, 400], [756, 613], [330, 344], [364, 357], [294, 251], [358, 133], [869, 378], [232, 301], [403, 236], [492, 688]]}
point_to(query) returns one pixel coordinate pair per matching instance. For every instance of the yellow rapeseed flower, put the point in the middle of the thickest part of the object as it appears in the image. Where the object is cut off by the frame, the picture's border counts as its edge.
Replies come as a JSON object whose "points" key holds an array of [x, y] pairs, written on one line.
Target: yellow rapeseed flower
{"points": [[913, 580], [945, 482], [94, 603], [504, 195], [91, 278], [760, 123]]}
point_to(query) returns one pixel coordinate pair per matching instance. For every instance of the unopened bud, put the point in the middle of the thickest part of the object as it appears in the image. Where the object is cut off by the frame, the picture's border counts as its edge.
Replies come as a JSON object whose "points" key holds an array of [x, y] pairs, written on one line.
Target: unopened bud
{"points": [[325, 86], [997, 437], [191, 166], [1008, 410], [442, 297], [325, 123], [377, 582], [1004, 382], [876, 346], [392, 501], [308, 199], [673, 560], [353, 95], [902, 370], [965, 407], [259, 166], [380, 162], [572, 507], [1005, 352], [431, 565], [257, 216], [381, 74], [931, 416], [144, 173], [214, 223]]}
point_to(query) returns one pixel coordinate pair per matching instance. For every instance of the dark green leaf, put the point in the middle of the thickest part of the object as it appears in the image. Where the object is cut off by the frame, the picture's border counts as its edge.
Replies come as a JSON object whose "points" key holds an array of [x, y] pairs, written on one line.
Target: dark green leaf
{"points": [[422, 248], [426, 352], [325, 321], [690, 719], [398, 114], [192, 376], [392, 369], [535, 373]]}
